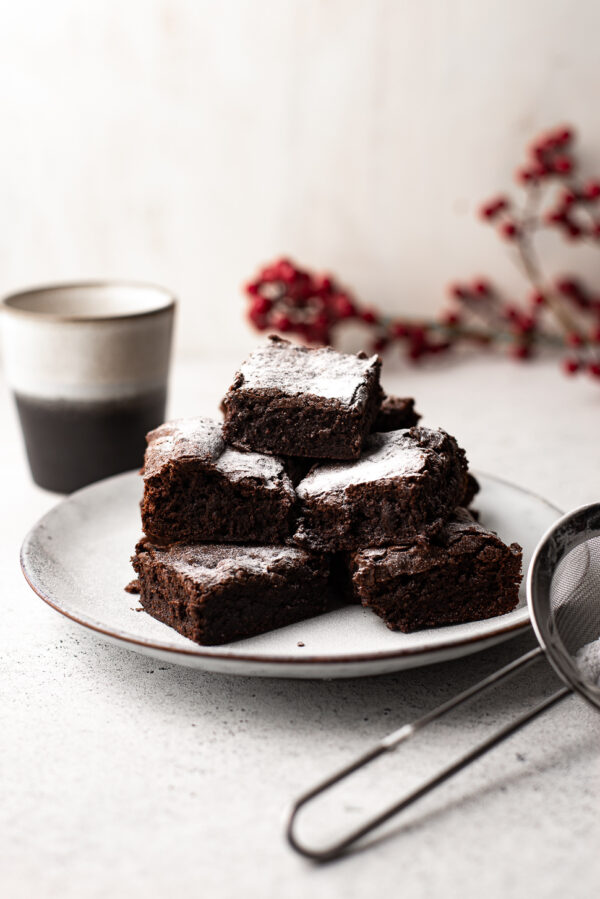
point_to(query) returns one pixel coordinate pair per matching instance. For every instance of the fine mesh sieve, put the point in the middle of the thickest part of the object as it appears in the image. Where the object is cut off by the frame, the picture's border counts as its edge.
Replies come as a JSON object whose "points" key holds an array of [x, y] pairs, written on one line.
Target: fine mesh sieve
{"points": [[563, 595]]}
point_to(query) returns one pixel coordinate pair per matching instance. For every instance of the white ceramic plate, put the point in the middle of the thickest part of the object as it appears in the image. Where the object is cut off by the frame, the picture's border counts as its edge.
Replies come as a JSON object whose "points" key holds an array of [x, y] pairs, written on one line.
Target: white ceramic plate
{"points": [[76, 558]]}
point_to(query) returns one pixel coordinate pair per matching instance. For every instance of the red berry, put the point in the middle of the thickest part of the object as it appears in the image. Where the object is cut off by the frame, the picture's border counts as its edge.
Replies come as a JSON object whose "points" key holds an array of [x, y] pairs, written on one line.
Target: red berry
{"points": [[594, 369], [573, 230], [595, 335], [258, 320], [269, 273], [571, 366], [569, 287], [562, 164], [321, 320], [527, 324], [511, 313], [509, 230], [564, 135], [252, 288], [458, 292], [520, 351], [493, 207], [450, 319], [400, 330], [281, 322], [539, 171], [574, 339], [439, 347], [537, 298], [482, 287], [343, 307], [313, 334], [380, 344], [591, 191], [524, 176], [555, 216], [418, 336], [568, 197], [285, 270], [368, 316], [261, 305]]}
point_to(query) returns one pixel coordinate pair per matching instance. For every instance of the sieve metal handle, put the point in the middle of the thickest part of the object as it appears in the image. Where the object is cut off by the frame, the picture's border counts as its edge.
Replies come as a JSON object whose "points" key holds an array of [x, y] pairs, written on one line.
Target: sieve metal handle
{"points": [[393, 740]]}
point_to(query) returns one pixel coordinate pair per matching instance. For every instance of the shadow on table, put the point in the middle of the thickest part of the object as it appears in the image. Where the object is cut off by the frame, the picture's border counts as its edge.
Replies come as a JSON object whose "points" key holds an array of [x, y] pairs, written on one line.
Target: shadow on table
{"points": [[356, 707]]}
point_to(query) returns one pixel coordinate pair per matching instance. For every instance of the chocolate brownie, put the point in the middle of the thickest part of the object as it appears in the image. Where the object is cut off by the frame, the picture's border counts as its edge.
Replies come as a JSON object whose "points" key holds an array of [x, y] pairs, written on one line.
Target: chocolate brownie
{"points": [[472, 488], [216, 593], [464, 574], [300, 401], [405, 483], [198, 489], [395, 413]]}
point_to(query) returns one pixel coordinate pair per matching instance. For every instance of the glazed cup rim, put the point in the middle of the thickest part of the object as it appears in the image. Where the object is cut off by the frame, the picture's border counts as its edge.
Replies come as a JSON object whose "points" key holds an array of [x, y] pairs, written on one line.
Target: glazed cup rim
{"points": [[9, 303]]}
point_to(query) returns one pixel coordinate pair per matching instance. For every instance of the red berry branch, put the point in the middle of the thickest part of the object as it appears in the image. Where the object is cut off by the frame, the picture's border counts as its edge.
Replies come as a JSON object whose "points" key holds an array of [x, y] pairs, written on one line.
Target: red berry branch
{"points": [[561, 313]]}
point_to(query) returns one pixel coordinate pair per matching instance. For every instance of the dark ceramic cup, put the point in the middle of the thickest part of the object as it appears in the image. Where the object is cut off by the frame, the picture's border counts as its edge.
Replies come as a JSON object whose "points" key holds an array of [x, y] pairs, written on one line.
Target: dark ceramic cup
{"points": [[88, 364]]}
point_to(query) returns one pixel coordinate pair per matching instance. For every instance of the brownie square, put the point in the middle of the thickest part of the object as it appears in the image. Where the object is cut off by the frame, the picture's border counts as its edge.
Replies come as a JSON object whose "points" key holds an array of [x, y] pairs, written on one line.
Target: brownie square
{"points": [[198, 489], [405, 483], [466, 573], [395, 413], [300, 401], [216, 593]]}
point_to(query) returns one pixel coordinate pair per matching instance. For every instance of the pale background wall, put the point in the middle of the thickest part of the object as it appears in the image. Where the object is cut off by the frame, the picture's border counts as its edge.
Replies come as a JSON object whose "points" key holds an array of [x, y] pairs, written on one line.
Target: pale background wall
{"points": [[185, 141]]}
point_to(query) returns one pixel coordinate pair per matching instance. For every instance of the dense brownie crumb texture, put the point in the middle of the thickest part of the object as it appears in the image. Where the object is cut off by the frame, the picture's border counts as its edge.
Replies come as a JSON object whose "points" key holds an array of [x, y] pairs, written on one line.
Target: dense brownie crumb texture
{"points": [[196, 488], [315, 489], [466, 573], [295, 401]]}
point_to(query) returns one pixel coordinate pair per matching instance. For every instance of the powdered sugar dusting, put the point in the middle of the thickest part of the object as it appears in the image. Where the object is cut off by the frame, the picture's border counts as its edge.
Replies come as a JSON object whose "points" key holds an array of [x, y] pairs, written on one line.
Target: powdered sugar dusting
{"points": [[201, 439], [211, 563], [237, 465], [386, 456], [297, 371], [588, 661]]}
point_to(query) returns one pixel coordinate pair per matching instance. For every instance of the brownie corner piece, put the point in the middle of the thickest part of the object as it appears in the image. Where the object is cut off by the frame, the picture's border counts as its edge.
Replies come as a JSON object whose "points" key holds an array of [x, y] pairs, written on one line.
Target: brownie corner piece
{"points": [[466, 573], [405, 483], [214, 594], [303, 401], [396, 413], [197, 488]]}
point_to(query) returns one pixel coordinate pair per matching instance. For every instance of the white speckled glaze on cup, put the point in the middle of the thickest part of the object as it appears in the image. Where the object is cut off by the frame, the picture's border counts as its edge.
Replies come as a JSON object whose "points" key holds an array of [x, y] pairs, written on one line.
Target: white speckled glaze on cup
{"points": [[88, 364]]}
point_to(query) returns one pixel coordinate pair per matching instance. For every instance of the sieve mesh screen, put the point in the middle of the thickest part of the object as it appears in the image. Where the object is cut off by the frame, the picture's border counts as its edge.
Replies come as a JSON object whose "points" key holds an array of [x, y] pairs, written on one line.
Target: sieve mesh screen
{"points": [[574, 610]]}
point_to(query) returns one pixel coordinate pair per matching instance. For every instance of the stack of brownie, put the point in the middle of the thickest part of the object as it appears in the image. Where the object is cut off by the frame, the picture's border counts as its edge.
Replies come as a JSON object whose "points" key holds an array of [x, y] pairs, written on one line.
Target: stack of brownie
{"points": [[317, 489]]}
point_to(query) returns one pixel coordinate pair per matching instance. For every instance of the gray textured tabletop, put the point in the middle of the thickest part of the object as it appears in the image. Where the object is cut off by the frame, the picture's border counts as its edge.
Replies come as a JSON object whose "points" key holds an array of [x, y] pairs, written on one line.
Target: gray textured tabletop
{"points": [[125, 777]]}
